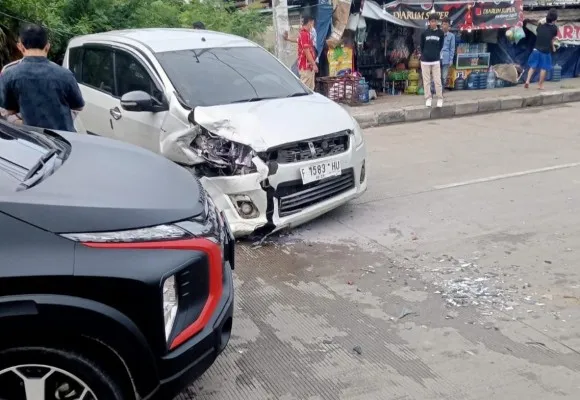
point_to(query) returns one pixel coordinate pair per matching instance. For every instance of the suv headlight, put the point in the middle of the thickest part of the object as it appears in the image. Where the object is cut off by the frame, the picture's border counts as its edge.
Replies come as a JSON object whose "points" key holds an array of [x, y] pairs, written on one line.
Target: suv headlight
{"points": [[358, 135], [151, 234], [170, 305]]}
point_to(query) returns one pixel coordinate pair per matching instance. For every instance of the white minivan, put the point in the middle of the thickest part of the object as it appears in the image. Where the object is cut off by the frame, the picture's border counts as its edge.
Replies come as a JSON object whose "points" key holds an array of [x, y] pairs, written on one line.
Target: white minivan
{"points": [[271, 153]]}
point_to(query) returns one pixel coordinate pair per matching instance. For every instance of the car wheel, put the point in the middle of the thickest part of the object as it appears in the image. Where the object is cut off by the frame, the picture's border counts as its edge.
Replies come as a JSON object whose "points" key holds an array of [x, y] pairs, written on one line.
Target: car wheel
{"points": [[38, 373]]}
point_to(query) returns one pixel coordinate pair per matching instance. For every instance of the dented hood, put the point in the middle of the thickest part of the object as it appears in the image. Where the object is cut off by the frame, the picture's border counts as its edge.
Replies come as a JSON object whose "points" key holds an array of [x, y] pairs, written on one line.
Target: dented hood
{"points": [[270, 123]]}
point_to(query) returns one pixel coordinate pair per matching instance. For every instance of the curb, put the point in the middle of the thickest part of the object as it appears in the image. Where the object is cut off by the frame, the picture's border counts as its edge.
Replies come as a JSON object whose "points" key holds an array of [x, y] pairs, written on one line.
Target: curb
{"points": [[463, 108]]}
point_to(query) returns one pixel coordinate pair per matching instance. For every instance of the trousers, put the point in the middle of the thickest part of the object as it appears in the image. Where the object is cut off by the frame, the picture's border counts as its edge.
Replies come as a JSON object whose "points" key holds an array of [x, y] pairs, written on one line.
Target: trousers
{"points": [[431, 73]]}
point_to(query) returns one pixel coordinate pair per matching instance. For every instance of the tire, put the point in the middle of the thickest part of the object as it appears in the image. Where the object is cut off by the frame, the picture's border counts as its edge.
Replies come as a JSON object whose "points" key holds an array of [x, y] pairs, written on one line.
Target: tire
{"points": [[85, 371]]}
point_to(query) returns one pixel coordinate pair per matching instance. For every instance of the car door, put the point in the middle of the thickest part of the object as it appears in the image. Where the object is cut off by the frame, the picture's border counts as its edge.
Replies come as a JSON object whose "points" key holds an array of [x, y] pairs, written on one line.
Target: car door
{"points": [[93, 66], [142, 128]]}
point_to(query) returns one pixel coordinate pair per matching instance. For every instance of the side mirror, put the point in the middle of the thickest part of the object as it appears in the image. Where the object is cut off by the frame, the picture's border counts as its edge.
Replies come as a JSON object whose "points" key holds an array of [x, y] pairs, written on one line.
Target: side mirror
{"points": [[139, 101]]}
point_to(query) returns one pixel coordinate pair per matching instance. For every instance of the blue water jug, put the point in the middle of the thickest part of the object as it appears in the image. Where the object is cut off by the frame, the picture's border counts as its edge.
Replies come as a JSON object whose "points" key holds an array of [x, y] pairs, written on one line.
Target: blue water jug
{"points": [[490, 79], [363, 91], [472, 81], [459, 84], [556, 73], [483, 80]]}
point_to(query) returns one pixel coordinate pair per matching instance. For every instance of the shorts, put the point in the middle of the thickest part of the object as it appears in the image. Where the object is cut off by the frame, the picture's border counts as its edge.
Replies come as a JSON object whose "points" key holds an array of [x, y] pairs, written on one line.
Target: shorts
{"points": [[539, 60]]}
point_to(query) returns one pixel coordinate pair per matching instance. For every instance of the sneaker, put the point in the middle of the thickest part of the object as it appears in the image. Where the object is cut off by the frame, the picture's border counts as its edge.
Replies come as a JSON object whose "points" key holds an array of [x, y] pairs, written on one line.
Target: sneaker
{"points": [[428, 103], [440, 103]]}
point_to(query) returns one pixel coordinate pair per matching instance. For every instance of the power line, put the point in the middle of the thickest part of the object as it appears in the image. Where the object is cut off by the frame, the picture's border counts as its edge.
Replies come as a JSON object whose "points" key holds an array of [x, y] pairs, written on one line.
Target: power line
{"points": [[57, 31]]}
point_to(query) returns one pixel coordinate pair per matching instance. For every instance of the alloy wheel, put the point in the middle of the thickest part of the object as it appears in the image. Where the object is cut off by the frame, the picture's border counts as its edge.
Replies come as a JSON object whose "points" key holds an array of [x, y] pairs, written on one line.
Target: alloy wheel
{"points": [[42, 382]]}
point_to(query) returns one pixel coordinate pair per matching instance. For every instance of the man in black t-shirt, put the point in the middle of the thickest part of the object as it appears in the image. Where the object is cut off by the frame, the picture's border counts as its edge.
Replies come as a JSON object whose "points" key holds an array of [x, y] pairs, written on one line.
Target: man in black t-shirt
{"points": [[541, 57]]}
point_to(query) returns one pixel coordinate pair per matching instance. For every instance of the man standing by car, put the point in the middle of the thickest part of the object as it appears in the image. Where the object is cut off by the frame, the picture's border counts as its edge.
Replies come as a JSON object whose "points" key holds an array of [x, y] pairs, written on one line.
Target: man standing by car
{"points": [[447, 52], [431, 44], [44, 93], [541, 56], [307, 67]]}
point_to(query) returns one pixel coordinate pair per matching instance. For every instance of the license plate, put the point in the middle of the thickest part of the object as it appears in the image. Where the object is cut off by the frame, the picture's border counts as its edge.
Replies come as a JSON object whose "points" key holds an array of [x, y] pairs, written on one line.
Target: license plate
{"points": [[320, 171]]}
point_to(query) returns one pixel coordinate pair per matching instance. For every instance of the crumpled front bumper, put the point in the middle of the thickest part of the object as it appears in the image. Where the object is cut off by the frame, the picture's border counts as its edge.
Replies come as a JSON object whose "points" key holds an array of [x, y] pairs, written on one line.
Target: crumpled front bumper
{"points": [[225, 189]]}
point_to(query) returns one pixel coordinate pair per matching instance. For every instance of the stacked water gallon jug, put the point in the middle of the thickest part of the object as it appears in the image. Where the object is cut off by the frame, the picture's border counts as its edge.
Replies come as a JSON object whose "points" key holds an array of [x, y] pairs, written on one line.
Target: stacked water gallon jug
{"points": [[490, 83], [556, 73]]}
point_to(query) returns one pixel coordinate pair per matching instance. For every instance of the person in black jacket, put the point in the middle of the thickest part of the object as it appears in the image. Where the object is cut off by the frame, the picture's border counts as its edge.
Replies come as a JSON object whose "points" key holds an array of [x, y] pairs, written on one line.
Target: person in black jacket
{"points": [[431, 44]]}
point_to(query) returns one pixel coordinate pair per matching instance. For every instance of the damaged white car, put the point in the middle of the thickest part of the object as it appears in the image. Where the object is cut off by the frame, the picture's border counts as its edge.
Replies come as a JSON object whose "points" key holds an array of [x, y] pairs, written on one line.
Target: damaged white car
{"points": [[271, 153]]}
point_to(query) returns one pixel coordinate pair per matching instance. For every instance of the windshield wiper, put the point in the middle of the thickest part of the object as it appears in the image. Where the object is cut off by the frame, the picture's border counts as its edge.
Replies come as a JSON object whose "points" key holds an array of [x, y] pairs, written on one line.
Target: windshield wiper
{"points": [[252, 99], [46, 169], [298, 94], [40, 163]]}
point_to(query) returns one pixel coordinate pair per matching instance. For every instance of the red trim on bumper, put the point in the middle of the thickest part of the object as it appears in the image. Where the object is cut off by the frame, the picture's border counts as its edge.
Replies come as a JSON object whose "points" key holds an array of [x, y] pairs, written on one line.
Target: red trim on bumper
{"points": [[213, 252]]}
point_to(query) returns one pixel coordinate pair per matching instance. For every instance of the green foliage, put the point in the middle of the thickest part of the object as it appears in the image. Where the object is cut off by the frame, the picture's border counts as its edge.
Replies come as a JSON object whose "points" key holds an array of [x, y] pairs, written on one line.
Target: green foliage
{"points": [[68, 18]]}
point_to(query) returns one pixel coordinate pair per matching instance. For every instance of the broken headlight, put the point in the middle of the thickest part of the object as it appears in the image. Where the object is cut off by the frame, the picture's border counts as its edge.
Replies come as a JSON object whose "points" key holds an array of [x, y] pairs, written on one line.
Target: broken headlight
{"points": [[229, 158]]}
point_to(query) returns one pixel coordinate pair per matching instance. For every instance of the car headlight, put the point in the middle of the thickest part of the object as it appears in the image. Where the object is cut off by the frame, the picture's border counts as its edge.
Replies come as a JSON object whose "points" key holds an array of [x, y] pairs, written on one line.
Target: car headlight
{"points": [[231, 158], [170, 305], [151, 234], [358, 135]]}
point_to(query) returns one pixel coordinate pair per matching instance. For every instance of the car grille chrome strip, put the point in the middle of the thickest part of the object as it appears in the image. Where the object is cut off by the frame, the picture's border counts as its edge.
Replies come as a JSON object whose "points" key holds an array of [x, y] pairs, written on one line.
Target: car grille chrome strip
{"points": [[293, 198], [312, 149]]}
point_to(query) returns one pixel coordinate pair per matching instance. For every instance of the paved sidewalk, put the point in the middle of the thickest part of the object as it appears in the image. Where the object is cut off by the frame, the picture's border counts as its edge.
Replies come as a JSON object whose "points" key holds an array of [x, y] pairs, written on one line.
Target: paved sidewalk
{"points": [[409, 108]]}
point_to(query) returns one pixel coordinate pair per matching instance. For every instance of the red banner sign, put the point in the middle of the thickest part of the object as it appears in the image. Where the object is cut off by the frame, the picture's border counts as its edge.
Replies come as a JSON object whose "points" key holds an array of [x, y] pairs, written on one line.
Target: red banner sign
{"points": [[474, 15]]}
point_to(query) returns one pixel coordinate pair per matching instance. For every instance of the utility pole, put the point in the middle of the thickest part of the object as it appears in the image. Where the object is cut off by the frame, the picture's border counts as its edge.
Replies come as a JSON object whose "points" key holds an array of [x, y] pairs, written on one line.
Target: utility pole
{"points": [[283, 50]]}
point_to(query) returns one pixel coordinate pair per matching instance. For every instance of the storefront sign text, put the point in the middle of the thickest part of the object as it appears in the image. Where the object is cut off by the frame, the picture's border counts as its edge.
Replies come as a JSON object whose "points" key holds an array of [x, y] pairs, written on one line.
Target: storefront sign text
{"points": [[569, 32]]}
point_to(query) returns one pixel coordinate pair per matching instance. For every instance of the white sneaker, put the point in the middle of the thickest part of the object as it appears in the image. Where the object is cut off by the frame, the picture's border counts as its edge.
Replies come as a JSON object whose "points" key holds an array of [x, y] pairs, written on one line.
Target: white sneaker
{"points": [[428, 103], [440, 103]]}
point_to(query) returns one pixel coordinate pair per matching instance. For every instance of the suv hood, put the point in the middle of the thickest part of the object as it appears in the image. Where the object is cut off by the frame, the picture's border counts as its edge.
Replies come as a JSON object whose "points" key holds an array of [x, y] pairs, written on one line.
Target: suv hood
{"points": [[270, 123], [107, 185]]}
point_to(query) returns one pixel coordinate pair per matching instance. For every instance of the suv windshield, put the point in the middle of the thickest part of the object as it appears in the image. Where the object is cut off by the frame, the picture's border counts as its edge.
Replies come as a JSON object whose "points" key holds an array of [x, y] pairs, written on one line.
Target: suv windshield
{"points": [[27, 156], [209, 77]]}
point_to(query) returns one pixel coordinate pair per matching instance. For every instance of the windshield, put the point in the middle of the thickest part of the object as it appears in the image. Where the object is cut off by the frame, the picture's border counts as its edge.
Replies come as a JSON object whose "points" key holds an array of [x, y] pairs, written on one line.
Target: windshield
{"points": [[209, 77], [27, 156]]}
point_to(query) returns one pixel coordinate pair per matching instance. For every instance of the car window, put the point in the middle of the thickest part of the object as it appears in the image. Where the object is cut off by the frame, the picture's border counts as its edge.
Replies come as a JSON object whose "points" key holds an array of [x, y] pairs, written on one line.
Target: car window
{"points": [[132, 76], [208, 77], [75, 55], [97, 69]]}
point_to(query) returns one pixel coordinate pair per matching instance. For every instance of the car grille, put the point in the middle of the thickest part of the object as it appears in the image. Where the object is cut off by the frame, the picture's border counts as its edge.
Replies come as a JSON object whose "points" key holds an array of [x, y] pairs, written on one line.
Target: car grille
{"points": [[302, 151], [293, 197]]}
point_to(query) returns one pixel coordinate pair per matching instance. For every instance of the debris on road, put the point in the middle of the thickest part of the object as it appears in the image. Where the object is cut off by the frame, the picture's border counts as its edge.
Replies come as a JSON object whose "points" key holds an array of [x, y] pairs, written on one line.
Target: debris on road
{"points": [[405, 313]]}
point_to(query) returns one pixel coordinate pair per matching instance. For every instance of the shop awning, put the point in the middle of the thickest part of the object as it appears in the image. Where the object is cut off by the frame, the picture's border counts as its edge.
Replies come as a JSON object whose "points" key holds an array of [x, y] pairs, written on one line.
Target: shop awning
{"points": [[564, 15], [464, 15], [372, 10], [568, 33]]}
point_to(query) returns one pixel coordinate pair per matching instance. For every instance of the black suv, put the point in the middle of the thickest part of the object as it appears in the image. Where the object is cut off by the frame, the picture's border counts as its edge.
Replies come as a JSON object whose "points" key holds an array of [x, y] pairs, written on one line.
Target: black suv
{"points": [[115, 270]]}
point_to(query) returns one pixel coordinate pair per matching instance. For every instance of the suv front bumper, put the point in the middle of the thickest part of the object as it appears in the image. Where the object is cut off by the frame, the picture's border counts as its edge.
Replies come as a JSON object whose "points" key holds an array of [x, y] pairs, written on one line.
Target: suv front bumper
{"points": [[189, 361]]}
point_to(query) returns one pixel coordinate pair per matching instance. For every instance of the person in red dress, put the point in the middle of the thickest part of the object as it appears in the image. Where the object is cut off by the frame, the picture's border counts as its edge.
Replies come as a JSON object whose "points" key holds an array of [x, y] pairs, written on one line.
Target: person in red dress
{"points": [[306, 60]]}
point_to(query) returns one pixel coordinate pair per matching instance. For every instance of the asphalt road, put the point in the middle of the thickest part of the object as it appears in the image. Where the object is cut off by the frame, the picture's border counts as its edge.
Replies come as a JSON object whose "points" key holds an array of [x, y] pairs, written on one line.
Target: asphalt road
{"points": [[455, 276]]}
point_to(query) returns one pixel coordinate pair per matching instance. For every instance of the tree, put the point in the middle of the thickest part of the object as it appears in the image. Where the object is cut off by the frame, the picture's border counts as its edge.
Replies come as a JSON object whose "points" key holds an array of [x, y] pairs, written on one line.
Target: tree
{"points": [[68, 18]]}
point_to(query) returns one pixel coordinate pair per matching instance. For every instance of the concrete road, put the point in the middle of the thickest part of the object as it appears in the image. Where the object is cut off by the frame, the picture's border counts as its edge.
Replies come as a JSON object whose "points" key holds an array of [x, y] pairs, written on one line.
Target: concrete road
{"points": [[456, 276]]}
